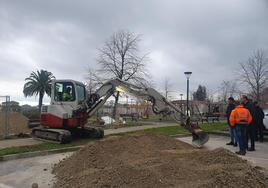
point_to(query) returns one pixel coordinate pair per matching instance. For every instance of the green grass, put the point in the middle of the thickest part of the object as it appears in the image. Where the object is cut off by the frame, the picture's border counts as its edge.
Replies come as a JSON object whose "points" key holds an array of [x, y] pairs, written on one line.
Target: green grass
{"points": [[42, 147], [168, 130], [174, 130], [214, 127], [158, 117], [23, 149]]}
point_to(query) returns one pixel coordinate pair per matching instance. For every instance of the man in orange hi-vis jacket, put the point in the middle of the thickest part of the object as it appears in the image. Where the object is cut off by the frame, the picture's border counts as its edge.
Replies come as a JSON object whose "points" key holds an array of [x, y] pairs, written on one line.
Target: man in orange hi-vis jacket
{"points": [[240, 118]]}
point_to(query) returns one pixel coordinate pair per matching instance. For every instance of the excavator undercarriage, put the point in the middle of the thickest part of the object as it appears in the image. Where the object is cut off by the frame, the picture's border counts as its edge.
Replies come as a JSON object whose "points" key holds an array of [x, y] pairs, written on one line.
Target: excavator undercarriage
{"points": [[63, 136]]}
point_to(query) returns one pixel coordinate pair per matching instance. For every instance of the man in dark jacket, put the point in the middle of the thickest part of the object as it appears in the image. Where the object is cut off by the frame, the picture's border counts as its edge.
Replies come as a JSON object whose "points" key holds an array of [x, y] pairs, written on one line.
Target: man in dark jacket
{"points": [[251, 127], [259, 114], [230, 107]]}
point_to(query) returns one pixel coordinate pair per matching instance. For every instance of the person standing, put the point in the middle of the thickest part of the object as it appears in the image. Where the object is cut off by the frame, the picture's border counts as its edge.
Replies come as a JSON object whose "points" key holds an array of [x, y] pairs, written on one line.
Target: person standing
{"points": [[251, 127], [230, 107], [240, 118], [259, 114]]}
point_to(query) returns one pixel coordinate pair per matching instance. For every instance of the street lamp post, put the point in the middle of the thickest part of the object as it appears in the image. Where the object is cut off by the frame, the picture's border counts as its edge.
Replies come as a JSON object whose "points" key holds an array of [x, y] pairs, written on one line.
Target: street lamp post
{"points": [[181, 96], [187, 74]]}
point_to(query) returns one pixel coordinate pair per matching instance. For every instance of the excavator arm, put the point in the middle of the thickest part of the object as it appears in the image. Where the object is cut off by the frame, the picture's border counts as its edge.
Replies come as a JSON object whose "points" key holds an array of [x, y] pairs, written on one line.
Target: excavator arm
{"points": [[160, 105]]}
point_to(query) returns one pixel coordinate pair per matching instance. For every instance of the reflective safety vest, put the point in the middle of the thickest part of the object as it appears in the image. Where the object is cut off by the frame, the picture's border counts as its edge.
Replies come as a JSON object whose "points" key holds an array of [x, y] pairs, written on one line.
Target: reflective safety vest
{"points": [[240, 116], [67, 96]]}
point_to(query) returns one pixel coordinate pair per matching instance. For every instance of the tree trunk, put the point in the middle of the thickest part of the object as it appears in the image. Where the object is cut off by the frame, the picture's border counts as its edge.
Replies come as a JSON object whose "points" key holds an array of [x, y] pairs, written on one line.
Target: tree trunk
{"points": [[41, 95], [115, 105], [258, 93]]}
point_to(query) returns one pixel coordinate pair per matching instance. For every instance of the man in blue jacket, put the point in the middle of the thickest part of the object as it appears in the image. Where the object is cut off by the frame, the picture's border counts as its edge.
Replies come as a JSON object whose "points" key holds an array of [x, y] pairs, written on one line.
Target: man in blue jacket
{"points": [[230, 107]]}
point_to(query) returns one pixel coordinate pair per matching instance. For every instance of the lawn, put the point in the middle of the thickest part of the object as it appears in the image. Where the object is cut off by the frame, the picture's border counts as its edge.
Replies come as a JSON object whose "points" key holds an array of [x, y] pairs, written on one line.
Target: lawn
{"points": [[175, 130], [42, 147], [214, 127]]}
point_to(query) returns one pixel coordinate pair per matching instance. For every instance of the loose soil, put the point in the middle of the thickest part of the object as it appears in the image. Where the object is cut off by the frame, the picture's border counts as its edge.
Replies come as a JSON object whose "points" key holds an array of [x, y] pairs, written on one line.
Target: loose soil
{"points": [[18, 124], [151, 160]]}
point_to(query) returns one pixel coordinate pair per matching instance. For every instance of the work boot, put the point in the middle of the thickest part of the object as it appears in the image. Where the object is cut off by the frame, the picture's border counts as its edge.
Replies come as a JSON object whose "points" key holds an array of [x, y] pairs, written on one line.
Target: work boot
{"points": [[243, 153], [251, 149], [240, 153], [230, 143]]}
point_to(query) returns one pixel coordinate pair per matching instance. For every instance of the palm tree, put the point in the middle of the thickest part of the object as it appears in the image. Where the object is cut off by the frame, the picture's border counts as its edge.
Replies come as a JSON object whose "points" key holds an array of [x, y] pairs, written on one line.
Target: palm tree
{"points": [[38, 83]]}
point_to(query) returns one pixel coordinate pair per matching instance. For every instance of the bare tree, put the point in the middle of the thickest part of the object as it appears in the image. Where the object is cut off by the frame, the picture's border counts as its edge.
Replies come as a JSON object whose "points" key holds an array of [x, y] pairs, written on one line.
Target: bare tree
{"points": [[255, 73], [120, 57], [167, 86], [227, 89], [210, 95], [92, 81]]}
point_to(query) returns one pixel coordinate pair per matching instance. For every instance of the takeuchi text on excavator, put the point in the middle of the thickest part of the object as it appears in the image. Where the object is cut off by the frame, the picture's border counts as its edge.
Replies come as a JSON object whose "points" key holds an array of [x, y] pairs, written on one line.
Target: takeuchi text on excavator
{"points": [[70, 108]]}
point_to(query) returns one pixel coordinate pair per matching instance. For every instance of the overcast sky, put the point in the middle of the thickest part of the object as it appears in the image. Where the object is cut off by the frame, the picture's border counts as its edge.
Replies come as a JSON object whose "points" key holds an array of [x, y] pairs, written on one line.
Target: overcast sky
{"points": [[207, 37]]}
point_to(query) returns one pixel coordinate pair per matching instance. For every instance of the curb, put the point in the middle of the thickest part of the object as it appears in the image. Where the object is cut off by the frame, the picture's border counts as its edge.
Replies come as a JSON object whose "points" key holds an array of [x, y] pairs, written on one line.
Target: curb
{"points": [[38, 153]]}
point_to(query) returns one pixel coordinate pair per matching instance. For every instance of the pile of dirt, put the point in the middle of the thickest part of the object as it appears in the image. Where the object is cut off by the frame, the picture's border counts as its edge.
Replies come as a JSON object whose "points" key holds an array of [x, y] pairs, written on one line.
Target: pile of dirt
{"points": [[18, 123], [154, 161]]}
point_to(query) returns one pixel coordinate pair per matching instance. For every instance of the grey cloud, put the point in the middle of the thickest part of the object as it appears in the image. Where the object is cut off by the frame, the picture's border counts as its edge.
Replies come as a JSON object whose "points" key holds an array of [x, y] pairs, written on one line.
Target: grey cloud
{"points": [[207, 37]]}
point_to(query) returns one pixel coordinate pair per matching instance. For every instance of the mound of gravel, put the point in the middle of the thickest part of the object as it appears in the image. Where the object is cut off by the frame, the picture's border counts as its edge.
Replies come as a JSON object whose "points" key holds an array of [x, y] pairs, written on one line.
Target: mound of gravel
{"points": [[152, 160]]}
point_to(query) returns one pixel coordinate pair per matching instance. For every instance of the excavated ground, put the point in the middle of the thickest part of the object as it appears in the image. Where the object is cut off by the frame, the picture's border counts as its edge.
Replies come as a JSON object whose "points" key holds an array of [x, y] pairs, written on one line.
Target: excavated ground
{"points": [[151, 160]]}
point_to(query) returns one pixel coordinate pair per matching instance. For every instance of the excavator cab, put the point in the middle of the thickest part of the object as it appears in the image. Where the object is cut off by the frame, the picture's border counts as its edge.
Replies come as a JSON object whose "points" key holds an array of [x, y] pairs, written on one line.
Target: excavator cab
{"points": [[66, 99], [68, 91]]}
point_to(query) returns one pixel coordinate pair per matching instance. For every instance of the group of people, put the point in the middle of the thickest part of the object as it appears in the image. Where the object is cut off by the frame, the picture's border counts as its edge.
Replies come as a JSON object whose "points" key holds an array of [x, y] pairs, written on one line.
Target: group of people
{"points": [[245, 121]]}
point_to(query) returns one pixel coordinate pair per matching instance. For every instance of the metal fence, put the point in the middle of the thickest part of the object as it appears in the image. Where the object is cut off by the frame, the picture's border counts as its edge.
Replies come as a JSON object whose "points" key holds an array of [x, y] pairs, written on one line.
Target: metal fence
{"points": [[4, 116]]}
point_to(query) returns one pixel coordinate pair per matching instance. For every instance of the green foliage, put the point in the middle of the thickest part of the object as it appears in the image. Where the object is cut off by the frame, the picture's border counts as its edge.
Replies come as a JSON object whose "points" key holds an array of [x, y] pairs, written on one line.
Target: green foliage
{"points": [[200, 94], [33, 114], [38, 83]]}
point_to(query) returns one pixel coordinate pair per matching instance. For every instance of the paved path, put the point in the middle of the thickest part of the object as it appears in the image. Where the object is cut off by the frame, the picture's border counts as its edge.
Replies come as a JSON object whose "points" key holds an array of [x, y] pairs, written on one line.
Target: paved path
{"points": [[29, 141], [256, 158], [22, 173]]}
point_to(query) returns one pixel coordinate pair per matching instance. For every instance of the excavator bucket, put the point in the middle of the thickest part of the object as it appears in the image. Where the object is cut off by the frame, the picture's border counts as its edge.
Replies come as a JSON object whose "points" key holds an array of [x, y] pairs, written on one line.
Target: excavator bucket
{"points": [[199, 138]]}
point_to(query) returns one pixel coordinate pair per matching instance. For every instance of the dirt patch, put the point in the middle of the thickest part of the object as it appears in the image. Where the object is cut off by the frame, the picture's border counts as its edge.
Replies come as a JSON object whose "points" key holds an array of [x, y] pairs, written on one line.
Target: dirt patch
{"points": [[154, 161], [18, 123]]}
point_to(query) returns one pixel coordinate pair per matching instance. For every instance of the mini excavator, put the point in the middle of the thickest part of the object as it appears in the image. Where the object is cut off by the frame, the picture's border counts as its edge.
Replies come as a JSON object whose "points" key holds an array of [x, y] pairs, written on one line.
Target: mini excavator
{"points": [[66, 116]]}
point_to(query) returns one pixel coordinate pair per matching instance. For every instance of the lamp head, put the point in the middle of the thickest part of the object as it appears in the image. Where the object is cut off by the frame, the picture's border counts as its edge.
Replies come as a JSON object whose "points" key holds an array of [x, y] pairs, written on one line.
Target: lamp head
{"points": [[187, 74]]}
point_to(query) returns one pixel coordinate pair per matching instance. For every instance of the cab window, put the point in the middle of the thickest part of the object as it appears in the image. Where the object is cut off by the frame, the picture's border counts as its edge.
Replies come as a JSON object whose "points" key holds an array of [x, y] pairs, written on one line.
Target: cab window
{"points": [[64, 91], [81, 93]]}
